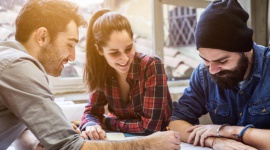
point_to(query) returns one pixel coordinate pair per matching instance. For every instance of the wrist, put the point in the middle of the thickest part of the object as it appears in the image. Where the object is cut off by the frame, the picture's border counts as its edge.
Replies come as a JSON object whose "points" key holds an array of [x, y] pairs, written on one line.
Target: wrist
{"points": [[234, 131], [231, 132], [243, 131], [223, 134], [209, 141]]}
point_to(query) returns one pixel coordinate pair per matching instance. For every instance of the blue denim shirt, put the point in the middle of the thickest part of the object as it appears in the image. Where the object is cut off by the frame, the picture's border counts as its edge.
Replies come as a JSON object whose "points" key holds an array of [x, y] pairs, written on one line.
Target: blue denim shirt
{"points": [[248, 104]]}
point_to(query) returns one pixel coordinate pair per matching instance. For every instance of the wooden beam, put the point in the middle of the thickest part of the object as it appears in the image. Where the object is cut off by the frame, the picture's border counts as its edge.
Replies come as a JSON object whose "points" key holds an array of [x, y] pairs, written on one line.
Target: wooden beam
{"points": [[188, 3], [259, 21], [158, 32]]}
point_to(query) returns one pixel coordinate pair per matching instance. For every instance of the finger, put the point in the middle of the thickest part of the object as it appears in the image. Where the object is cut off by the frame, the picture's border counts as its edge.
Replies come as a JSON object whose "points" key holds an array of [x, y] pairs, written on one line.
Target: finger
{"points": [[176, 147], [192, 128], [204, 136], [76, 128], [78, 131], [176, 135], [176, 139], [198, 136], [95, 134], [192, 135], [92, 133], [101, 133], [83, 135]]}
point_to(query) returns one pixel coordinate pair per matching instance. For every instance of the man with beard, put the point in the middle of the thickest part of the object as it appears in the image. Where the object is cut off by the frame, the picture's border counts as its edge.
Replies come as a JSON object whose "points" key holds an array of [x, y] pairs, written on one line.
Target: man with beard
{"points": [[46, 35], [232, 84]]}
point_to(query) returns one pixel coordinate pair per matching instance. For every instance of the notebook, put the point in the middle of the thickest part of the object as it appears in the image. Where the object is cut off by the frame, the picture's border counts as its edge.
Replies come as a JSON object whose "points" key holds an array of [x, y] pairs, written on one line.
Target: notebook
{"points": [[115, 136]]}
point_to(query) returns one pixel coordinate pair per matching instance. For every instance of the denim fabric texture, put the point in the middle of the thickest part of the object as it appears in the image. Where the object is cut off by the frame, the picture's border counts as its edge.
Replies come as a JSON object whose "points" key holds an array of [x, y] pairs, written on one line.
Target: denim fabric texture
{"points": [[247, 104]]}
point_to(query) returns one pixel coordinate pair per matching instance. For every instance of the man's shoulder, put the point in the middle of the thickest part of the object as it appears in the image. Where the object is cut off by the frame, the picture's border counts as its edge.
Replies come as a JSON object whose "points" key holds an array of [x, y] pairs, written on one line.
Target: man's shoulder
{"points": [[265, 51], [10, 54], [11, 50]]}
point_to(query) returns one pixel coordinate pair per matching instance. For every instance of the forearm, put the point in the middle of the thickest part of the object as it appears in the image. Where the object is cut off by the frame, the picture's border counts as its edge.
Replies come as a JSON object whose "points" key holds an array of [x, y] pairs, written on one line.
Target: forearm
{"points": [[26, 141], [140, 143], [181, 126], [258, 138]]}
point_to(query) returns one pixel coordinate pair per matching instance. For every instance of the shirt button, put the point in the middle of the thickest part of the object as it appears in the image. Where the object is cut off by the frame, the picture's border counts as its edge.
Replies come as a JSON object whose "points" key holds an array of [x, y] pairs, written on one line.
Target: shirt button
{"points": [[240, 114], [241, 92], [264, 110]]}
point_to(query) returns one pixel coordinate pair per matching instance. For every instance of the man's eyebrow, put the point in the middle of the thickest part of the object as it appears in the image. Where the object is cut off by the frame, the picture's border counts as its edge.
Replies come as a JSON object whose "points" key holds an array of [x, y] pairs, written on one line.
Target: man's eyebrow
{"points": [[217, 60], [73, 39]]}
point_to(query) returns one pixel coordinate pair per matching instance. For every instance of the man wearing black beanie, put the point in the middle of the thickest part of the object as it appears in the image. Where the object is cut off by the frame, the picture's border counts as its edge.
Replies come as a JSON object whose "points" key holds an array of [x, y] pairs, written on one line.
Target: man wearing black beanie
{"points": [[232, 84]]}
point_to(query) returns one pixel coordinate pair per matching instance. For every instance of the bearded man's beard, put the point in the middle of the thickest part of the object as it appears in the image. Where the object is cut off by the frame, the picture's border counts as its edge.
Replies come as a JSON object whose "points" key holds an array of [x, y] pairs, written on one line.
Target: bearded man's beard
{"points": [[227, 79]]}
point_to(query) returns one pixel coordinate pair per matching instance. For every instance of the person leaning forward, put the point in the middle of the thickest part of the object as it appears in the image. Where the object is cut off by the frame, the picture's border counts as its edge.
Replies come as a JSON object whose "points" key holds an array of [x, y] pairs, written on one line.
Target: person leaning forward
{"points": [[232, 84], [46, 35]]}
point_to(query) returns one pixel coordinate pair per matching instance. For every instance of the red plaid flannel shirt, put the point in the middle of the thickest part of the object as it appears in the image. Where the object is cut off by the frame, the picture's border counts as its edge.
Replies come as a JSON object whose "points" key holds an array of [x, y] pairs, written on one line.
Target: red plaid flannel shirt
{"points": [[148, 108]]}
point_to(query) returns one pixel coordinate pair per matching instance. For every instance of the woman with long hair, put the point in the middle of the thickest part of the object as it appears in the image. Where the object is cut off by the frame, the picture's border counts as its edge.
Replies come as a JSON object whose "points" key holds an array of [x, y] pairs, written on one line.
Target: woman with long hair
{"points": [[134, 85]]}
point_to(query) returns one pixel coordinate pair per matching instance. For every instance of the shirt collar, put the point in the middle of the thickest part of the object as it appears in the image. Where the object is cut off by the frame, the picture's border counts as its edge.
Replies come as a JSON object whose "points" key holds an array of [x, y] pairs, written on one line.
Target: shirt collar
{"points": [[134, 70], [258, 58], [135, 67]]}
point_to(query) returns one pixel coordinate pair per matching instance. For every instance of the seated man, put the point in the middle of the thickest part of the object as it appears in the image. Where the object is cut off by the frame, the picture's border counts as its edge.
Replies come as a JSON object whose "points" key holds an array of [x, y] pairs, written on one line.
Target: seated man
{"points": [[232, 84], [46, 35]]}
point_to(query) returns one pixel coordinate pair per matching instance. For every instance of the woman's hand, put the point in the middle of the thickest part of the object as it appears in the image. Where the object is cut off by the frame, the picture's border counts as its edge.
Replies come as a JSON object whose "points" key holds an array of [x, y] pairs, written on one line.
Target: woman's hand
{"points": [[94, 132]]}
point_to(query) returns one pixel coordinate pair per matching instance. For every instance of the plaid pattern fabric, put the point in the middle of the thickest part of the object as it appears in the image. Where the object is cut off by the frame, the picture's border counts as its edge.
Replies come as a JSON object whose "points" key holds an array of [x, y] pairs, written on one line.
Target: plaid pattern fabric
{"points": [[149, 106]]}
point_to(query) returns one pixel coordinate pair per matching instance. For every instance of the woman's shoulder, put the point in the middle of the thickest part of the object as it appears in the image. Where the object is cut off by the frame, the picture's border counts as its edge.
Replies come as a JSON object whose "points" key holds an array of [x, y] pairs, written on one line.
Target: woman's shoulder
{"points": [[147, 58]]}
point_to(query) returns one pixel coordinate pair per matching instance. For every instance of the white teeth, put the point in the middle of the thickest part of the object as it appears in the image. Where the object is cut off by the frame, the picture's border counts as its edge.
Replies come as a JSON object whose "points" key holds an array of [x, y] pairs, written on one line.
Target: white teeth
{"points": [[123, 64]]}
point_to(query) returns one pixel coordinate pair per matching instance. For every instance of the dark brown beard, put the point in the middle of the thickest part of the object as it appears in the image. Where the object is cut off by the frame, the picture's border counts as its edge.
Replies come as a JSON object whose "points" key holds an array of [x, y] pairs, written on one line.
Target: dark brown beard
{"points": [[227, 79]]}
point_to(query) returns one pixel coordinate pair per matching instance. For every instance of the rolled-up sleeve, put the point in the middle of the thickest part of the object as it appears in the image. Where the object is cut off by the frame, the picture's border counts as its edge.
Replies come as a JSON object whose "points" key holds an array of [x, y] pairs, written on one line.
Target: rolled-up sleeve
{"points": [[191, 105]]}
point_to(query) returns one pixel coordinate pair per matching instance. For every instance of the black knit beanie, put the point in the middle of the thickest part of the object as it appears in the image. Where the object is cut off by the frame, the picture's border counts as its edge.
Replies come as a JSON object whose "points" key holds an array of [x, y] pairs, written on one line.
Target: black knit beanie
{"points": [[222, 25]]}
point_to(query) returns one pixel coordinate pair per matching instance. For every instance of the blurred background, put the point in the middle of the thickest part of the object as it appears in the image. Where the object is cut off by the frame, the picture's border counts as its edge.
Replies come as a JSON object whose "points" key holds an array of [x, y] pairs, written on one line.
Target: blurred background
{"points": [[162, 27]]}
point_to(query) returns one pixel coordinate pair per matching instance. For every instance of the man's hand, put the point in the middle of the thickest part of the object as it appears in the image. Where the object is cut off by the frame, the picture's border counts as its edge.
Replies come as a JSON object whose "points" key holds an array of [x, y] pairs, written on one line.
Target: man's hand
{"points": [[229, 144], [76, 128], [168, 140], [199, 133]]}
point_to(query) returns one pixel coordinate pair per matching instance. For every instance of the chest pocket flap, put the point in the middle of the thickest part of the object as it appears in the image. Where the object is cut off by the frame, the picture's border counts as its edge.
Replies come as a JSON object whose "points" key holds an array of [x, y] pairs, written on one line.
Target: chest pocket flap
{"points": [[260, 107], [218, 108]]}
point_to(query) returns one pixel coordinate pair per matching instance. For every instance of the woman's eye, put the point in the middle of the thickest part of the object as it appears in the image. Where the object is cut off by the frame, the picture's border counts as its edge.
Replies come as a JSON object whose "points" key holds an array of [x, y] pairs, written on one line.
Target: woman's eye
{"points": [[128, 49]]}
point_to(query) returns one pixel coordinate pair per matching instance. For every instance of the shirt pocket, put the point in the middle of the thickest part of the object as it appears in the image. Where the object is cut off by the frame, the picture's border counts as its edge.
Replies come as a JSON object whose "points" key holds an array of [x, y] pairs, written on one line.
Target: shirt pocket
{"points": [[219, 112], [259, 112]]}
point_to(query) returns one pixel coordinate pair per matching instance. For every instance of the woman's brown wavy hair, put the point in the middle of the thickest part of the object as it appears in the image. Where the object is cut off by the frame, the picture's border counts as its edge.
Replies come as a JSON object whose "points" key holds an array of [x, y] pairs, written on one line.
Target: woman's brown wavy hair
{"points": [[101, 25]]}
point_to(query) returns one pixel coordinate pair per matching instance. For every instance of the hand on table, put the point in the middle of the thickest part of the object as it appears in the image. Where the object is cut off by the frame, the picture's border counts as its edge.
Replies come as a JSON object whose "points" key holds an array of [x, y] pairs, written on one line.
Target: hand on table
{"points": [[229, 144], [94, 132], [168, 140], [199, 133]]}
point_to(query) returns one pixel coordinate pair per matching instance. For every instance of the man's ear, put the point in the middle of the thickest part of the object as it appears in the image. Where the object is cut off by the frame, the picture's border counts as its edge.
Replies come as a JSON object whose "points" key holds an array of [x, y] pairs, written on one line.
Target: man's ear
{"points": [[42, 36], [98, 50]]}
